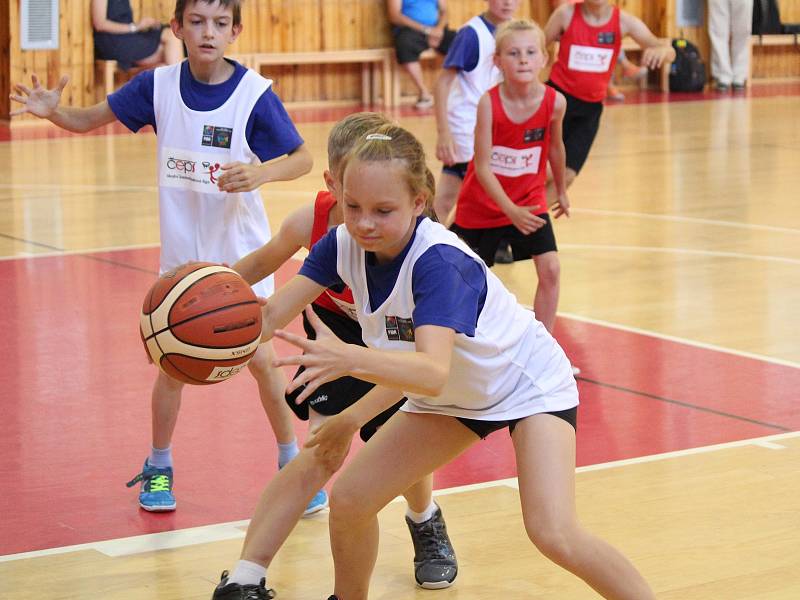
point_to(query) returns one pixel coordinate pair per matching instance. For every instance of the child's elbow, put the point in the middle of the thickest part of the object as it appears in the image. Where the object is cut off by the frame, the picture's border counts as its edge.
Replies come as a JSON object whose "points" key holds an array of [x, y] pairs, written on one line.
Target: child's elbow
{"points": [[436, 383]]}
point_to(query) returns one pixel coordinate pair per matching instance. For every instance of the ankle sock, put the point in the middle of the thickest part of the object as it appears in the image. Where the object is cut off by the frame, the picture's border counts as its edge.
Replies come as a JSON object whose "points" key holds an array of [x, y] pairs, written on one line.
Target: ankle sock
{"points": [[424, 515], [247, 573], [161, 458], [287, 452]]}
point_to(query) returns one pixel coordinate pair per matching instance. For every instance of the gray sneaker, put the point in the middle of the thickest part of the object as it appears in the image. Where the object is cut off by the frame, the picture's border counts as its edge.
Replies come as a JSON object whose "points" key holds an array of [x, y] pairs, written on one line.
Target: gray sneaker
{"points": [[435, 564]]}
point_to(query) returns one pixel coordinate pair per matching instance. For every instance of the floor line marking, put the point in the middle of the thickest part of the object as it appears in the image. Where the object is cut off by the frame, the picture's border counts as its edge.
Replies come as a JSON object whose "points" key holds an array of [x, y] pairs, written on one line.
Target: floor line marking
{"points": [[234, 529], [681, 219], [687, 251], [679, 340]]}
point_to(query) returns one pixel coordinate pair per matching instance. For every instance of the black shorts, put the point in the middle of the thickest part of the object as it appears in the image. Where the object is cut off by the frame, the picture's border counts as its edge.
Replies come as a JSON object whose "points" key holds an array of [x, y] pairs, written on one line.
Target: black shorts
{"points": [[484, 428], [410, 43], [333, 397], [484, 242], [581, 122], [457, 169]]}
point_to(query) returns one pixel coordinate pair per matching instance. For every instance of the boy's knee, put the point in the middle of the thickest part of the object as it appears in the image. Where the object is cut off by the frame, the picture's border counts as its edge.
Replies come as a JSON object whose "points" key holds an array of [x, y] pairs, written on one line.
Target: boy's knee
{"points": [[569, 176], [549, 273], [556, 542]]}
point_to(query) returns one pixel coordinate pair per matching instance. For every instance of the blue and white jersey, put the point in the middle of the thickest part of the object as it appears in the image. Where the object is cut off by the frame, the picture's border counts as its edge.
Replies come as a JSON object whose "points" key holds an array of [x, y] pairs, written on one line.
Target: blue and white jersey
{"points": [[472, 53], [505, 366], [197, 133]]}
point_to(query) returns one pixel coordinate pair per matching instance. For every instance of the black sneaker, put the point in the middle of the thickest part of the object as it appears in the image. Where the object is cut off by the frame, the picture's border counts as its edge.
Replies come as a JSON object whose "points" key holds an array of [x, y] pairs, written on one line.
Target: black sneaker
{"points": [[503, 254], [236, 591], [435, 564]]}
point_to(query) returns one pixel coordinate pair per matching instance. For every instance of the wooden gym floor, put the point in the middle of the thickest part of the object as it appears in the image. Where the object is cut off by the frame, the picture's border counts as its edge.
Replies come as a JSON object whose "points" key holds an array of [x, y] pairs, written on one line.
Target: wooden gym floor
{"points": [[680, 288]]}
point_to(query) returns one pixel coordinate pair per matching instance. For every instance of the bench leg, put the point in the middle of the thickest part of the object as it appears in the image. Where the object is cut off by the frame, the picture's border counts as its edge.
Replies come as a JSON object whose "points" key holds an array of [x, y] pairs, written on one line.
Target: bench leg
{"points": [[390, 91]]}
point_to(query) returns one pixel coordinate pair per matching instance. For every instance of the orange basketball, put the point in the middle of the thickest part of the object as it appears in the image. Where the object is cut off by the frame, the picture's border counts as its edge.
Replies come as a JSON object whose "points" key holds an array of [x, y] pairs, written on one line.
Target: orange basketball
{"points": [[201, 323]]}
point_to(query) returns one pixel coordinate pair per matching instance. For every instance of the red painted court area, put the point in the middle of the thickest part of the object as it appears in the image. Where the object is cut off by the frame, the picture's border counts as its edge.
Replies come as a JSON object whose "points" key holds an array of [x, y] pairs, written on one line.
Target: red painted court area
{"points": [[75, 388]]}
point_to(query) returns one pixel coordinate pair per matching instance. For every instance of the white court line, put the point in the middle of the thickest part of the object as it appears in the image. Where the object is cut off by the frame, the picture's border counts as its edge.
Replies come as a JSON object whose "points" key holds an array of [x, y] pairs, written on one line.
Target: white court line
{"points": [[234, 530], [679, 219], [688, 251], [679, 340]]}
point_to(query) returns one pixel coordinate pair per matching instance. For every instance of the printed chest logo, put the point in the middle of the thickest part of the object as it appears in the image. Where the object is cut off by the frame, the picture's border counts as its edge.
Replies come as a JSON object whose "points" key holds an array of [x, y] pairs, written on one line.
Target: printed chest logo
{"points": [[218, 137], [605, 37], [533, 135], [185, 168], [399, 329]]}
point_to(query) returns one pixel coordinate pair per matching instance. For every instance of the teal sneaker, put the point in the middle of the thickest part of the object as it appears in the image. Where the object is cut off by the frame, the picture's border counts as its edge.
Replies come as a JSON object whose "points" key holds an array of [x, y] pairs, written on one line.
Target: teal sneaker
{"points": [[318, 502], [155, 494]]}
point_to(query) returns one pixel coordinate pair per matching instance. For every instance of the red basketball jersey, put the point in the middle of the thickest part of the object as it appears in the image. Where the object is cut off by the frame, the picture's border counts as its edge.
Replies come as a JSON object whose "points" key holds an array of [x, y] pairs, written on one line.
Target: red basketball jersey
{"points": [[519, 161], [586, 57], [337, 302]]}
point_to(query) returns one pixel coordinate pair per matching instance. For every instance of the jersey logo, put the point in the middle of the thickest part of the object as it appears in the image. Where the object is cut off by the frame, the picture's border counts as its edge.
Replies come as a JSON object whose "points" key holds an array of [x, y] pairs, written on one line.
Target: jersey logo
{"points": [[399, 329], [533, 135], [590, 59], [513, 162], [189, 170], [218, 137], [605, 37]]}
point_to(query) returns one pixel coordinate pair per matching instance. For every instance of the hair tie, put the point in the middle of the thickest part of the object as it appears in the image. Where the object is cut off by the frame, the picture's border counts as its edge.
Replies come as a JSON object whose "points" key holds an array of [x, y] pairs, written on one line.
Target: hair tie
{"points": [[378, 136]]}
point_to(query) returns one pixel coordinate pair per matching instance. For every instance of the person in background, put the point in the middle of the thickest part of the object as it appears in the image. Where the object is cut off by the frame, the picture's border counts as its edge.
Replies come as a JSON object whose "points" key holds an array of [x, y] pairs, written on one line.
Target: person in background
{"points": [[729, 26]]}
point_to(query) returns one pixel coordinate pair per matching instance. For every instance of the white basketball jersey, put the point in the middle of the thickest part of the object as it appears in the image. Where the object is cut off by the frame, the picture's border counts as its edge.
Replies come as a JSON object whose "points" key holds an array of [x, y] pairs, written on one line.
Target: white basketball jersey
{"points": [[467, 89], [511, 368], [199, 222]]}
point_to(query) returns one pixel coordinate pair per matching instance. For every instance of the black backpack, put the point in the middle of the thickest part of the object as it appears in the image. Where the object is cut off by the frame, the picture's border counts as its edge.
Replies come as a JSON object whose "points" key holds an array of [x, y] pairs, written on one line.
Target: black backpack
{"points": [[767, 19], [688, 72]]}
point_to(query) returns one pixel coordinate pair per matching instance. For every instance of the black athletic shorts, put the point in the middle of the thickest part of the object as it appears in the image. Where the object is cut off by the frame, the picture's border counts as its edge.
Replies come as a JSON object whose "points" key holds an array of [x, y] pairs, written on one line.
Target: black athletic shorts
{"points": [[581, 122], [333, 397], [410, 43], [484, 242], [457, 169], [484, 428]]}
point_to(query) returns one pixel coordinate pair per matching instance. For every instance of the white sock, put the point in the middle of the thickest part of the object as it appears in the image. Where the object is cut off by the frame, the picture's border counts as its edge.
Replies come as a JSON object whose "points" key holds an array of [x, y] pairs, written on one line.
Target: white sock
{"points": [[247, 573], [160, 458], [425, 515]]}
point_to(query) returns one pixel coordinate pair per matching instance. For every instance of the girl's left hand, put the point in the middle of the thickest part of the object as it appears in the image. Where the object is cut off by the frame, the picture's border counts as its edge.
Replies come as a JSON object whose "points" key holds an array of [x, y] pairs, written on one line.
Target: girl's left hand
{"points": [[324, 358], [239, 177], [332, 440]]}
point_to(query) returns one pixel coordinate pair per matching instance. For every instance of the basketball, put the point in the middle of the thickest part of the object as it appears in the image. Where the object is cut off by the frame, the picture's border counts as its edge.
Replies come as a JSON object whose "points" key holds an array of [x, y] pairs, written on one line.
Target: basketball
{"points": [[201, 323]]}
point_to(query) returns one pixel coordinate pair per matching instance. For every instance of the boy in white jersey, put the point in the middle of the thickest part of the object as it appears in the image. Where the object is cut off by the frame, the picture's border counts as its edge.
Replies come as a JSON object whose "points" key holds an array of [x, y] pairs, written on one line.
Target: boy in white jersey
{"points": [[467, 73], [217, 124], [442, 330]]}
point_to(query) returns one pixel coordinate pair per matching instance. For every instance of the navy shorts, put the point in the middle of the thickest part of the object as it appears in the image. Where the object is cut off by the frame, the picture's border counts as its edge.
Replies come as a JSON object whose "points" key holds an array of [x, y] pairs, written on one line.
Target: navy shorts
{"points": [[483, 428], [457, 169], [581, 122], [333, 397], [484, 242]]}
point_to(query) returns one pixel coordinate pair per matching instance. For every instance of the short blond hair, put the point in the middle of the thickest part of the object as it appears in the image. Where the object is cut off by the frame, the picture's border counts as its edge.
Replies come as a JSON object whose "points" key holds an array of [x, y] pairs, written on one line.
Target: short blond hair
{"points": [[515, 25], [347, 132]]}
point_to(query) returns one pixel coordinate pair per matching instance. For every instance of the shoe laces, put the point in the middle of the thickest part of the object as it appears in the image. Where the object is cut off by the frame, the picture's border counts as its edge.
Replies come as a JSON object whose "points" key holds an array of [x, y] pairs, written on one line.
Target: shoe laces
{"points": [[159, 483], [154, 481], [432, 534]]}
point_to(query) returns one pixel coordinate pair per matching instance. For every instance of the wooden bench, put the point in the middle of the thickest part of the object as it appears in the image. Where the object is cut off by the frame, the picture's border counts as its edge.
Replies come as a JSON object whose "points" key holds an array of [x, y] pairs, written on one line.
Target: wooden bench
{"points": [[770, 39], [631, 45], [105, 76], [371, 60]]}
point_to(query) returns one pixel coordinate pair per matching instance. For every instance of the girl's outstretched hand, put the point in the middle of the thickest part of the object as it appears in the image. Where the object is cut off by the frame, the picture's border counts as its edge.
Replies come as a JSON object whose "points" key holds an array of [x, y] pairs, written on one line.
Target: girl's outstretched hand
{"points": [[332, 440], [325, 358], [38, 100]]}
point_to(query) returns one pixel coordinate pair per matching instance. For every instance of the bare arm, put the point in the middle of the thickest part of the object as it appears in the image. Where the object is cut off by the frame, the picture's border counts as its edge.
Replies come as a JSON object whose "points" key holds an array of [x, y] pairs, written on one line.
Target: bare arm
{"points": [[396, 17], [520, 216], [295, 232], [654, 51], [286, 303], [422, 371], [242, 177], [557, 157], [445, 151], [44, 103], [558, 23]]}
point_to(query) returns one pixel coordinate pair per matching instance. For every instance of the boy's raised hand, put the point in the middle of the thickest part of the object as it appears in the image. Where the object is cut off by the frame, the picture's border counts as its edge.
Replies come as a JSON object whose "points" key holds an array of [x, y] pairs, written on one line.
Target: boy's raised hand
{"points": [[239, 177], [38, 100]]}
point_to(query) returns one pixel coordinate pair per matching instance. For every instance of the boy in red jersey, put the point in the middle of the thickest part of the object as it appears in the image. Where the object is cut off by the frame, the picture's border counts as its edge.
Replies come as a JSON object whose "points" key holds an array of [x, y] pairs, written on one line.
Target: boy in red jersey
{"points": [[590, 36], [517, 133]]}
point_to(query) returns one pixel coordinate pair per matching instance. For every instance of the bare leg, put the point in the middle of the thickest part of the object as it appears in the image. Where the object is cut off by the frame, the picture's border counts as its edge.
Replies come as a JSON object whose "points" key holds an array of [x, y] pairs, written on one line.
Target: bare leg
{"points": [[272, 388], [414, 69], [358, 494], [545, 302], [165, 405], [545, 452], [446, 196], [281, 505], [569, 177], [173, 47], [420, 494]]}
